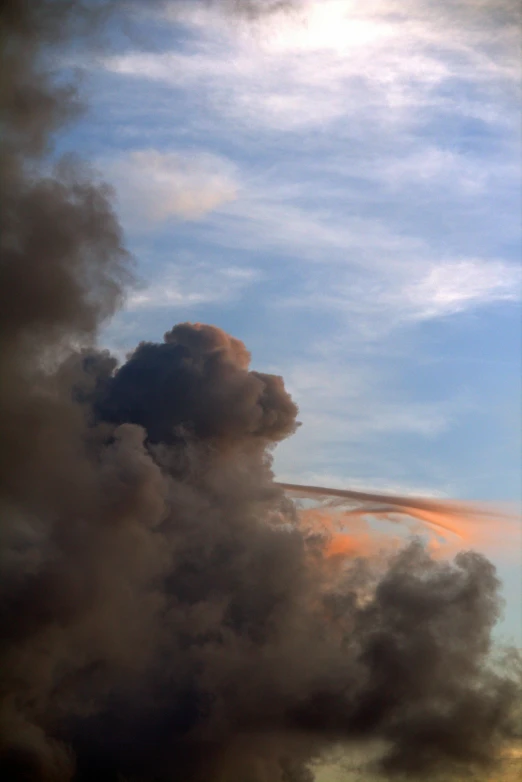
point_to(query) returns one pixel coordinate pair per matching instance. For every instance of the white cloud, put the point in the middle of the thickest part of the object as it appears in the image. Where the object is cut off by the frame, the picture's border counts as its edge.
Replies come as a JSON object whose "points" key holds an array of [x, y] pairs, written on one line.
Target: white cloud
{"points": [[419, 289], [190, 285], [156, 185], [428, 164], [272, 220], [375, 65], [449, 288], [364, 271], [338, 58]]}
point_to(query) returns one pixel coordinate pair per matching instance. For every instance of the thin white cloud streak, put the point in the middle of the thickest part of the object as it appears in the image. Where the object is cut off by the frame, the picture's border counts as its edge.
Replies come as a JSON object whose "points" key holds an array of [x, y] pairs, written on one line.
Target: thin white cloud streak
{"points": [[191, 285], [420, 291], [268, 221], [363, 271], [454, 287], [351, 408], [351, 416], [377, 277], [437, 168], [383, 419]]}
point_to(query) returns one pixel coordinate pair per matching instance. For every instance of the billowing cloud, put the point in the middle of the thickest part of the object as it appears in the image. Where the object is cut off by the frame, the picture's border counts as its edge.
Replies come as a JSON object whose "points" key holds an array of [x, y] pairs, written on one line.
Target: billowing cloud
{"points": [[165, 612]]}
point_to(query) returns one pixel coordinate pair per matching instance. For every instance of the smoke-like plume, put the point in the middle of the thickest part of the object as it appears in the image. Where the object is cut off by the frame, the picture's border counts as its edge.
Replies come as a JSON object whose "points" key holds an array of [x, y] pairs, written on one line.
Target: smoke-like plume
{"points": [[450, 525], [164, 612]]}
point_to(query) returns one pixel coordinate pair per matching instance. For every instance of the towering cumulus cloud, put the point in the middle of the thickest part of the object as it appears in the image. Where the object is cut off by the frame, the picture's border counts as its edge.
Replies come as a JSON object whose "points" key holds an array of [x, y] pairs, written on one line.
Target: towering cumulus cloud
{"points": [[165, 615]]}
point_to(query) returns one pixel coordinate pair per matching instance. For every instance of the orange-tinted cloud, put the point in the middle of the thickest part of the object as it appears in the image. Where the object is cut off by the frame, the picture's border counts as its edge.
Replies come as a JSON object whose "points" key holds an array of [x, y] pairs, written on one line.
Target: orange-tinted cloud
{"points": [[447, 526]]}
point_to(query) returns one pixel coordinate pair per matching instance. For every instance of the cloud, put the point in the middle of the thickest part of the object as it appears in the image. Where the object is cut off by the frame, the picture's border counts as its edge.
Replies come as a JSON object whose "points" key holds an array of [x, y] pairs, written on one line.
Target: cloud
{"points": [[159, 588], [450, 288], [334, 57], [431, 165], [372, 483], [377, 192], [419, 289], [353, 416], [302, 223], [158, 186], [189, 285]]}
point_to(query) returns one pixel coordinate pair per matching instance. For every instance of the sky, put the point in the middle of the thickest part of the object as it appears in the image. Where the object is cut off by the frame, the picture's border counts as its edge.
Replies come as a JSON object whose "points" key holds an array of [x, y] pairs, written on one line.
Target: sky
{"points": [[338, 185]]}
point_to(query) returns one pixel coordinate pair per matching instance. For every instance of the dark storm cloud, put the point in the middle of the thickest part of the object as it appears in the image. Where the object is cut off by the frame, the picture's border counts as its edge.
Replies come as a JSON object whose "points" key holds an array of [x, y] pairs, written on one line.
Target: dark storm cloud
{"points": [[198, 378], [163, 614]]}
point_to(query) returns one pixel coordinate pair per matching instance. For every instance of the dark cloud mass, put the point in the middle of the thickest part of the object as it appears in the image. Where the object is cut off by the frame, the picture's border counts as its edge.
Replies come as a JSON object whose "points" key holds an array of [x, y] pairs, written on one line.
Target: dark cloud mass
{"points": [[163, 614], [198, 379]]}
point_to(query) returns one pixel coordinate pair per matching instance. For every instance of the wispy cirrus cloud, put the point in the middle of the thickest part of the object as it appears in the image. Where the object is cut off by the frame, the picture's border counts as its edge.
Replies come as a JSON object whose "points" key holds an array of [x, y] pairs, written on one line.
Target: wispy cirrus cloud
{"points": [[396, 215], [350, 414], [449, 288], [190, 285], [274, 221], [417, 291], [333, 58]]}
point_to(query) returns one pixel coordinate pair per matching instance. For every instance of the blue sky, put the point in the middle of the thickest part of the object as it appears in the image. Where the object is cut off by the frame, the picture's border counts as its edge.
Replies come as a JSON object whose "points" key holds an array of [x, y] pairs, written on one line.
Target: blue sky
{"points": [[339, 186]]}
